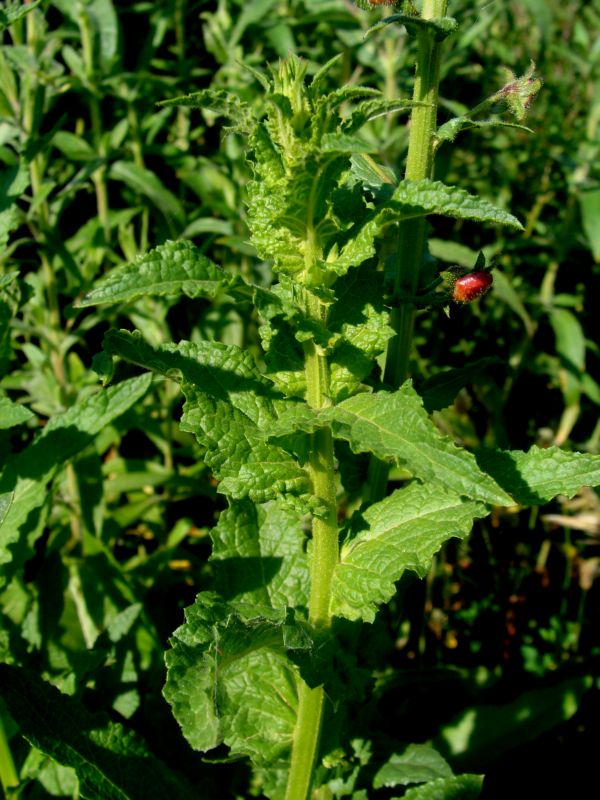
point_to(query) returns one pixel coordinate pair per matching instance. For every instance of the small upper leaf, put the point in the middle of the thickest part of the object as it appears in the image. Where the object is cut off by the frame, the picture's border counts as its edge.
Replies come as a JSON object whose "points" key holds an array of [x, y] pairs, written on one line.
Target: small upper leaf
{"points": [[419, 198]]}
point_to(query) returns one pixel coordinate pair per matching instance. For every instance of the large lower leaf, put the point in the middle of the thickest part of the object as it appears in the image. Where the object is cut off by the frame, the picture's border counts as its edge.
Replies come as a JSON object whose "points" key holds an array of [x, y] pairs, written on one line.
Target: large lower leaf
{"points": [[26, 478], [229, 680], [401, 532], [111, 762]]}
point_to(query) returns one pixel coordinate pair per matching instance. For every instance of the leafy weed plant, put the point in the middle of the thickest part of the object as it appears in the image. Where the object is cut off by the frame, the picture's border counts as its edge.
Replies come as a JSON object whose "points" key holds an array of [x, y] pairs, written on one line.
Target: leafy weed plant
{"points": [[301, 436]]}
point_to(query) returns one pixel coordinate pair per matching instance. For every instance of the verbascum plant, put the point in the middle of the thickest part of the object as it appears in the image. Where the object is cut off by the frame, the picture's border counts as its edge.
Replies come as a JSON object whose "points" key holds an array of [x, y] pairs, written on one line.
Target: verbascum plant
{"points": [[263, 663]]}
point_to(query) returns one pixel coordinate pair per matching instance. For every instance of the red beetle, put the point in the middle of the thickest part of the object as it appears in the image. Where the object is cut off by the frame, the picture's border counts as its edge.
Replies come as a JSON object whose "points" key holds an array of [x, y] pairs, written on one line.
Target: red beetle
{"points": [[471, 286]]}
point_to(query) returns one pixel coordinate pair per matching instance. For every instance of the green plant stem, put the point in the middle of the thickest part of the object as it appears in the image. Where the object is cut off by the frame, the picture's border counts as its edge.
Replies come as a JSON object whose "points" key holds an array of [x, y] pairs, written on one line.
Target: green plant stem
{"points": [[33, 103], [99, 176], [323, 561], [411, 234]]}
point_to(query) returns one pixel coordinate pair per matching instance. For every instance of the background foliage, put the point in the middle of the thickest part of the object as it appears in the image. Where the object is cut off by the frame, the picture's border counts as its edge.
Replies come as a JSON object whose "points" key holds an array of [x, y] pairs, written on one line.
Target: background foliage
{"points": [[94, 172]]}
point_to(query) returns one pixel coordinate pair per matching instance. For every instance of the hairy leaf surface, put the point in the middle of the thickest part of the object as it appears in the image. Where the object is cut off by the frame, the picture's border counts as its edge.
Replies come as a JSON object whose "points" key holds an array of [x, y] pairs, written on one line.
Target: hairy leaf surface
{"points": [[228, 406], [173, 268], [419, 198], [540, 474], [259, 555], [395, 425], [401, 532], [229, 679]]}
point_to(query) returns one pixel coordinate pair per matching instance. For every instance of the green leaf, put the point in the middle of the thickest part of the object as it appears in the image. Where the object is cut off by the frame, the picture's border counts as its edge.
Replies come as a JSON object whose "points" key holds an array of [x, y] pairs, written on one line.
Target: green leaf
{"points": [[110, 761], [419, 198], [377, 107], [366, 170], [359, 323], [345, 144], [229, 680], [171, 269], [105, 23], [13, 182], [220, 103], [283, 357], [259, 555], [244, 463], [15, 12], [460, 787], [73, 147], [419, 763], [535, 477], [146, 184], [12, 414], [570, 347], [589, 202], [450, 130], [437, 27], [396, 426], [229, 408], [504, 289], [28, 474], [401, 532]]}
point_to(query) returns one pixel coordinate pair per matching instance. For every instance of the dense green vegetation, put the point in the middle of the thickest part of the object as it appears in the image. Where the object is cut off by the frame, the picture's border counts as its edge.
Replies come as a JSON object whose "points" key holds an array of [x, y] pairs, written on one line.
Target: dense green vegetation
{"points": [[117, 203]]}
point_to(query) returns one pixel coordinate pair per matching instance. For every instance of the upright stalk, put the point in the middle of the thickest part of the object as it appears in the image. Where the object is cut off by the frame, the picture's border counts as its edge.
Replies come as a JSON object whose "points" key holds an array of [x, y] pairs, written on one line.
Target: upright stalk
{"points": [[411, 234], [323, 561], [99, 176], [32, 104]]}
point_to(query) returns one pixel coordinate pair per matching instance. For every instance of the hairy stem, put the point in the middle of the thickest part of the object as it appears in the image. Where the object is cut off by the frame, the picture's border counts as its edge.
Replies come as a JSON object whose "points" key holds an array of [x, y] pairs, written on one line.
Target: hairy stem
{"points": [[323, 561], [411, 234]]}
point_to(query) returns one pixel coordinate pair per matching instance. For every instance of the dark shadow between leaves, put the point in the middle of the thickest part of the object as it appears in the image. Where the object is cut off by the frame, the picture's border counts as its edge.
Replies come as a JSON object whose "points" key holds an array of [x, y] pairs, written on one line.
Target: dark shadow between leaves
{"points": [[239, 575], [501, 466], [65, 730]]}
